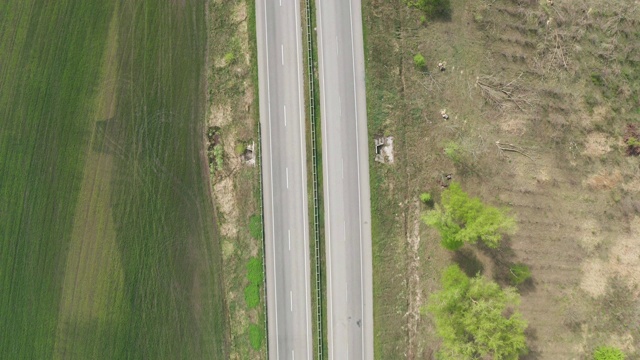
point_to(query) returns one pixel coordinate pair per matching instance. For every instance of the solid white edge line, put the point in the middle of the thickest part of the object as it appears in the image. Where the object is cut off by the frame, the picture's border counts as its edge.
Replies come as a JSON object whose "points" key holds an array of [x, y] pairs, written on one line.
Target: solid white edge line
{"points": [[273, 225], [326, 187], [303, 187], [355, 102]]}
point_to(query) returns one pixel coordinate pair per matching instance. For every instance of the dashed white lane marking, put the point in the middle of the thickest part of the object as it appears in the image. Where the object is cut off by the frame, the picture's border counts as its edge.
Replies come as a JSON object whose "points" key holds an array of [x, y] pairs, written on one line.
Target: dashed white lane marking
{"points": [[337, 47], [343, 168], [287, 171], [289, 240], [282, 51], [285, 115], [291, 297]]}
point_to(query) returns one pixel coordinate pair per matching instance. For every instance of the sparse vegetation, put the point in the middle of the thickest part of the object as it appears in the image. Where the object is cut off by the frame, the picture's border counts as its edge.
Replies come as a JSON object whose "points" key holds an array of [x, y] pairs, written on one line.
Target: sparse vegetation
{"points": [[461, 219], [432, 8], [476, 319], [518, 72], [232, 96]]}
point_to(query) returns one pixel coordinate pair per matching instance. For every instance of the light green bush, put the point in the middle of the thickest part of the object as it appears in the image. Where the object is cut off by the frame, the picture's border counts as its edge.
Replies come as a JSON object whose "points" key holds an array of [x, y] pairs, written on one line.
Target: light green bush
{"points": [[608, 353]]}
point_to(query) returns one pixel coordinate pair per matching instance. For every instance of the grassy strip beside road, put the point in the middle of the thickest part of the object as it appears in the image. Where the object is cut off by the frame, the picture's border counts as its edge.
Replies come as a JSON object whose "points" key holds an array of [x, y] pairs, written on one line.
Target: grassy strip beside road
{"points": [[233, 112]]}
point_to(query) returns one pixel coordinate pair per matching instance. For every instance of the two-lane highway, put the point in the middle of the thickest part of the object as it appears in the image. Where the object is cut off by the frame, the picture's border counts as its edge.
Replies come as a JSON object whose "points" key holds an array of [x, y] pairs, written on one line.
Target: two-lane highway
{"points": [[284, 179], [346, 179]]}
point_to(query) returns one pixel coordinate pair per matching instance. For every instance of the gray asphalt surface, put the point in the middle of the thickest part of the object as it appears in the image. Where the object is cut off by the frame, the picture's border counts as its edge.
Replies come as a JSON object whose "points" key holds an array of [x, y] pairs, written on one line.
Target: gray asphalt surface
{"points": [[346, 179], [284, 179]]}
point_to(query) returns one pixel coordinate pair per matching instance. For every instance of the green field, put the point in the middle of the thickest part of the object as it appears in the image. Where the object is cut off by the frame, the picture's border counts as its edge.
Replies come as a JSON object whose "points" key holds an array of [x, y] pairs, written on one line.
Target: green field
{"points": [[108, 247]]}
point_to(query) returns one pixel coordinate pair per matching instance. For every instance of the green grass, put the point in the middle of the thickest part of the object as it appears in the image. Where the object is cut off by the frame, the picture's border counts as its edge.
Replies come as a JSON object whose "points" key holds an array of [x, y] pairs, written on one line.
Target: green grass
{"points": [[252, 296], [255, 226], [255, 272], [165, 301], [256, 335]]}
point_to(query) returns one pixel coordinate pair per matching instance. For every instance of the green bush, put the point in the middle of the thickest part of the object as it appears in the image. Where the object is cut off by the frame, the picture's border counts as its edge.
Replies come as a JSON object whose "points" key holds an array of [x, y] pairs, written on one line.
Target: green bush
{"points": [[255, 273], [476, 319], [425, 197], [462, 219], [519, 273], [255, 226], [608, 353], [432, 8], [252, 296], [256, 335], [419, 61]]}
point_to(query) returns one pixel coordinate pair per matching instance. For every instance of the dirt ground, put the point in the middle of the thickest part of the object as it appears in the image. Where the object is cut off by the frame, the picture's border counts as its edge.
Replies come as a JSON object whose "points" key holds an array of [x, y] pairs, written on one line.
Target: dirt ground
{"points": [[559, 83]]}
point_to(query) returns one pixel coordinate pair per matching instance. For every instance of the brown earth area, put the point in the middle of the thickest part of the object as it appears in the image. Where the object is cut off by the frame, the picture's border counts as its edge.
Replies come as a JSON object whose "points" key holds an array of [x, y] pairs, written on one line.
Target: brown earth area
{"points": [[558, 82]]}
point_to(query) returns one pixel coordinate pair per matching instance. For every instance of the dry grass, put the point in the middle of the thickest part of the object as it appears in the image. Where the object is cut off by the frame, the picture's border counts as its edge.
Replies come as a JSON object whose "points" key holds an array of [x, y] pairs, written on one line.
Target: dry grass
{"points": [[558, 83], [233, 108]]}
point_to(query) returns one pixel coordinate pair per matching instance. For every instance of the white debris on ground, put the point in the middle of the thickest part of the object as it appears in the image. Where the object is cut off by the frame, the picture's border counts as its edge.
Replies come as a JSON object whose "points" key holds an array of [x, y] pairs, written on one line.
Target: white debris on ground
{"points": [[384, 149], [249, 156]]}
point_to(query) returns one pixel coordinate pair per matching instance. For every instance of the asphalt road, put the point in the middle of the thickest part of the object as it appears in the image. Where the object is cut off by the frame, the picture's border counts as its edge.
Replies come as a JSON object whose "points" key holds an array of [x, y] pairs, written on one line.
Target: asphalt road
{"points": [[346, 179], [284, 179]]}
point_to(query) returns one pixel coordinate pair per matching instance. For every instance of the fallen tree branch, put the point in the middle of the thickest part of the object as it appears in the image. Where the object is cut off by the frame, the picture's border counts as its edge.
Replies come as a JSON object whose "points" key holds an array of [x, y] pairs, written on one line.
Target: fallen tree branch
{"points": [[512, 148]]}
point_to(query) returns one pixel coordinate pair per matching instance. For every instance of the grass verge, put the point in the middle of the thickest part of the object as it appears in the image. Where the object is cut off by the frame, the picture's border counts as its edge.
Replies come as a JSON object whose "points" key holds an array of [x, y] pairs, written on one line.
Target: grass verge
{"points": [[233, 110]]}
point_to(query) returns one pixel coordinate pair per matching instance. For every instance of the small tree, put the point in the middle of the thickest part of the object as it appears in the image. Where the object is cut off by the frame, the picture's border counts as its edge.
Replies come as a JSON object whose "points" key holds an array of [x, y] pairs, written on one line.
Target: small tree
{"points": [[419, 61], [476, 318], [519, 273], [608, 353], [432, 8], [462, 219]]}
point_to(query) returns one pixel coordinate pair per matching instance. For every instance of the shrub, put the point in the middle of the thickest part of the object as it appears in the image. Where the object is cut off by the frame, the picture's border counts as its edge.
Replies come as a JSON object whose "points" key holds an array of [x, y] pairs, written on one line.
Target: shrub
{"points": [[419, 61], [425, 197], [476, 319], [453, 152], [519, 273], [256, 335], [218, 155], [432, 8], [255, 226], [255, 273], [229, 57], [462, 219], [252, 296], [608, 353]]}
